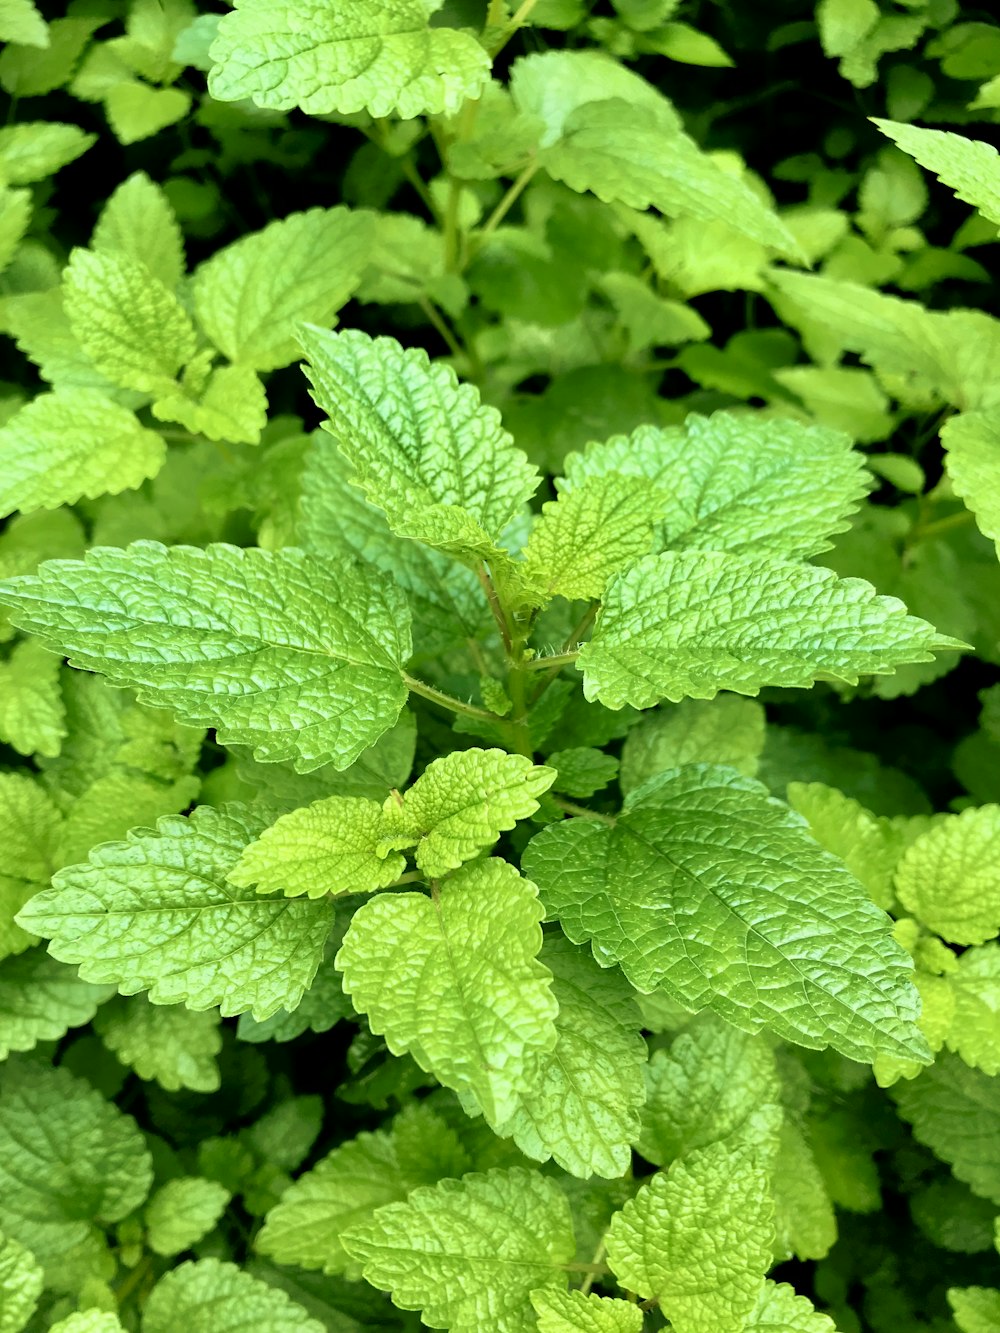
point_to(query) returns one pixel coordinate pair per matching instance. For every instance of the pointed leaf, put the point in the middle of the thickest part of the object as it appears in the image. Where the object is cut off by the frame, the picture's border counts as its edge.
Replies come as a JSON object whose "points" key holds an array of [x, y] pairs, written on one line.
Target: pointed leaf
{"points": [[21, 1280], [974, 1033], [949, 877], [209, 1296], [969, 166], [138, 221], [972, 459], [182, 1212], [955, 1111], [780, 1310], [166, 1042], [573, 1312], [32, 714]]}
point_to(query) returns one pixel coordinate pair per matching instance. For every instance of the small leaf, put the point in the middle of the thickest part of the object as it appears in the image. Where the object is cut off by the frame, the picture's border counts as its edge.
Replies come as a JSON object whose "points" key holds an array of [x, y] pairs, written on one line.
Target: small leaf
{"points": [[166, 1042], [21, 1276], [780, 1310], [972, 449], [573, 1312], [182, 1212], [41, 1000], [209, 1296], [949, 878], [138, 221], [955, 1111], [33, 150]]}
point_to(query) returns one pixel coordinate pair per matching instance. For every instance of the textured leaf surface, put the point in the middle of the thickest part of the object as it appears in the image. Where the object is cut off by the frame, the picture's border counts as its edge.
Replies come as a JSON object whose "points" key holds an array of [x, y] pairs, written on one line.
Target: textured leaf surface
{"points": [[974, 1033], [68, 1158], [424, 448], [21, 1280], [805, 1222], [284, 652], [698, 1237], [157, 913], [955, 1111], [32, 715], [33, 150], [138, 221], [469, 1253], [345, 56], [949, 877], [166, 1042], [976, 1309], [712, 890], [725, 730], [88, 1321], [739, 483], [460, 805], [232, 406], [251, 296], [582, 770], [132, 327], [209, 1296], [690, 623], [582, 1099], [972, 460], [40, 1000], [868, 846], [329, 847], [780, 1310], [66, 445], [455, 980], [573, 1312], [182, 1211], [969, 166], [31, 824]]}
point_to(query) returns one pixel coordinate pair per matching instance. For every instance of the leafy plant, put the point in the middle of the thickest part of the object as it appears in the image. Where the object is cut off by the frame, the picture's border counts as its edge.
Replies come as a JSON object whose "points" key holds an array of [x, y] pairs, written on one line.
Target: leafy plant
{"points": [[500, 818]]}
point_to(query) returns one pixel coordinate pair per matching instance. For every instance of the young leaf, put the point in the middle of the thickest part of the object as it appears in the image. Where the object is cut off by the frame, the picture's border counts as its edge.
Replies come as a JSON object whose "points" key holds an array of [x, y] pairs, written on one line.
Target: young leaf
{"points": [[21, 1279], [780, 1310], [949, 879], [469, 1253], [581, 1102], [690, 623], [67, 445], [869, 847], [805, 1222], [32, 715], [31, 824], [954, 1111], [461, 804], [21, 22], [33, 150], [197, 940], [573, 1312], [68, 1158], [972, 447], [139, 222], [708, 888], [725, 730], [974, 1033], [345, 56], [747, 484], [209, 1296], [166, 1042], [15, 216], [41, 1000], [325, 643], [327, 848], [455, 980], [89, 1321], [424, 448], [698, 1238], [132, 327], [231, 406], [182, 1212], [582, 770], [251, 296], [969, 166], [976, 1309]]}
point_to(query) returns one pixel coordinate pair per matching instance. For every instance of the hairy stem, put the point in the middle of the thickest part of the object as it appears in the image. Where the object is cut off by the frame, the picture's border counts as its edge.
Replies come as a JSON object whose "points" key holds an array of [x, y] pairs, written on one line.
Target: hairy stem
{"points": [[444, 700], [555, 660], [499, 614]]}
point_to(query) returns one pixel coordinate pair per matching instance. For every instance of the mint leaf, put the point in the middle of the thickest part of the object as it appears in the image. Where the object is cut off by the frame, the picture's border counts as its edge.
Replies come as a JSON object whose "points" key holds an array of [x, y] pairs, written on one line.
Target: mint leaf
{"points": [[32, 716], [21, 22], [345, 56], [976, 1309], [139, 222], [747, 484], [971, 442], [953, 1110], [689, 623], [582, 770], [136, 111], [132, 327], [704, 887], [573, 1312], [88, 1321], [947, 877], [198, 940], [326, 643], [455, 980], [209, 1296], [232, 405], [469, 1253], [725, 730], [33, 150], [969, 166], [424, 448], [460, 805], [166, 1042], [805, 1222], [31, 823], [40, 1000], [15, 216], [251, 296], [21, 1276], [698, 1238], [65, 445], [780, 1310], [869, 847], [182, 1212], [974, 1033], [583, 1097]]}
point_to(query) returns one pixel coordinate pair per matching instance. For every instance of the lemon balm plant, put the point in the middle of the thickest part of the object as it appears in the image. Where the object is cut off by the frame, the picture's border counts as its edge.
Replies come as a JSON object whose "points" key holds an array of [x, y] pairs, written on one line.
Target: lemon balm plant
{"points": [[500, 828]]}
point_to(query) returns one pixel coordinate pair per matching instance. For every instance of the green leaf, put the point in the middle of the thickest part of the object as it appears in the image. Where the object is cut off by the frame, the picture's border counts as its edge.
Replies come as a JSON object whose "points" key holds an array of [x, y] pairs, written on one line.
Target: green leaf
{"points": [[40, 1000], [132, 327], [972, 447], [68, 1159], [573, 1312], [461, 804], [138, 221], [582, 1099], [251, 296], [725, 730], [31, 824], [327, 848], [690, 623], [182, 1212], [780, 1310], [715, 1084], [969, 166], [741, 483], [711, 890], [955, 1111], [698, 1238], [231, 406], [868, 846], [345, 56], [974, 1033], [805, 1222], [469, 1253], [67, 445], [198, 940], [949, 879], [21, 1276], [424, 448], [15, 217], [582, 770], [166, 1042], [209, 1296], [455, 980], [33, 150], [325, 643], [976, 1309], [323, 1005], [588, 534], [21, 22], [32, 716], [88, 1321], [346, 1187], [136, 111]]}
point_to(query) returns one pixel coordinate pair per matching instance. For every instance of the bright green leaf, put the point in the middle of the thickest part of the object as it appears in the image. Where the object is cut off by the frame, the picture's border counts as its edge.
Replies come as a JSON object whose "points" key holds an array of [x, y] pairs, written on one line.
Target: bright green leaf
{"points": [[209, 1296], [974, 1033], [32, 715], [976, 1309], [232, 406], [21, 22], [780, 1310], [31, 824], [725, 730], [182, 1211], [969, 166], [949, 877], [21, 1276], [573, 1312], [139, 222], [955, 1111], [32, 150], [41, 1000], [166, 1042], [972, 459]]}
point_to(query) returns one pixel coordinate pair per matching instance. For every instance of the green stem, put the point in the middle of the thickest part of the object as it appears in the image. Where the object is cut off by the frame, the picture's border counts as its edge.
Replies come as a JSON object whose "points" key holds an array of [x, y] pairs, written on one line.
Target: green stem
{"points": [[518, 20], [595, 1264], [417, 181], [922, 531], [507, 202], [134, 1281], [444, 700], [435, 317], [499, 614], [555, 660], [581, 811]]}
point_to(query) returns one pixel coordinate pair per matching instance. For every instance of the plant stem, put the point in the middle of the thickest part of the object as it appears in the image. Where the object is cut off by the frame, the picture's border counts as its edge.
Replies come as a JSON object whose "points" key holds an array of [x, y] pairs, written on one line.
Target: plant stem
{"points": [[499, 614], [922, 531], [518, 20], [581, 811], [417, 181], [507, 202], [446, 700], [595, 1264], [435, 317], [555, 660], [134, 1280]]}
